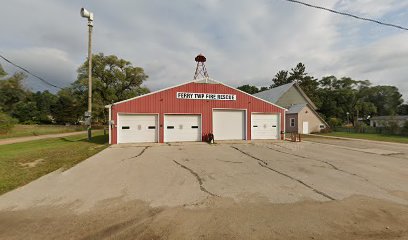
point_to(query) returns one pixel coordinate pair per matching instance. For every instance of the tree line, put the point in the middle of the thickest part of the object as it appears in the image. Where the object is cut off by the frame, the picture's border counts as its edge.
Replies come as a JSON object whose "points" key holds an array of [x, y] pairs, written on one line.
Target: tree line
{"points": [[340, 99], [113, 79], [116, 79]]}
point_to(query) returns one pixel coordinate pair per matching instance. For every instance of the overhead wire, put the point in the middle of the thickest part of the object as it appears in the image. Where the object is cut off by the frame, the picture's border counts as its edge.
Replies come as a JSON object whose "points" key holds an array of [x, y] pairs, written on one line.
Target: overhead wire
{"points": [[349, 15], [30, 73]]}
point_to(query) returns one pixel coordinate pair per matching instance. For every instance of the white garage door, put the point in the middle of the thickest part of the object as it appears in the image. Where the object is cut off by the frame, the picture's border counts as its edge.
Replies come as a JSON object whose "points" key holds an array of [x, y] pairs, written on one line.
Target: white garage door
{"points": [[229, 124], [264, 126], [137, 128], [182, 128]]}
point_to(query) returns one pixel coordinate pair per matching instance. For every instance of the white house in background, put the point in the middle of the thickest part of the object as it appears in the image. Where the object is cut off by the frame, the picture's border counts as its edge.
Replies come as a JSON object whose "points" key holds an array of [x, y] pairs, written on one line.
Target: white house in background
{"points": [[383, 121], [301, 116]]}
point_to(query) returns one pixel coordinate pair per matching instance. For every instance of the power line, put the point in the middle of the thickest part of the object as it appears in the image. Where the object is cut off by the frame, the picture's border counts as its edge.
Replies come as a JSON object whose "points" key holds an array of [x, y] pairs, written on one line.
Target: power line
{"points": [[350, 15], [32, 74]]}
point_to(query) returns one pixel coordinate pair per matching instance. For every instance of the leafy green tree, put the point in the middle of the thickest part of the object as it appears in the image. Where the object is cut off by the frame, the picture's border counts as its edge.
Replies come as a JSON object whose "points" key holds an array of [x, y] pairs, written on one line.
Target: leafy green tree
{"points": [[387, 99], [68, 108], [113, 80], [249, 89], [12, 91], [345, 95], [26, 112], [44, 101], [402, 109]]}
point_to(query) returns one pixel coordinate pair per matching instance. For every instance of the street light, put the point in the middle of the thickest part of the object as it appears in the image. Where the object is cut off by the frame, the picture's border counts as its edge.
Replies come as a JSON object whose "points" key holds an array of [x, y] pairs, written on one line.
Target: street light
{"points": [[89, 15], [348, 122]]}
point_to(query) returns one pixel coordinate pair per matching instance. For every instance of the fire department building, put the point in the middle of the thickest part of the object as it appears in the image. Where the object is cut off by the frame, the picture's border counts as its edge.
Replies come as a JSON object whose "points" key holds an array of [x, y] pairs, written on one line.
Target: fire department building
{"points": [[191, 111]]}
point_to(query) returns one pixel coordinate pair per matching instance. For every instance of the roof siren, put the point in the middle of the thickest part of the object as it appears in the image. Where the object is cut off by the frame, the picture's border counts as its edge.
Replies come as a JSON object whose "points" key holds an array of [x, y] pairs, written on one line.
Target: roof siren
{"points": [[201, 70]]}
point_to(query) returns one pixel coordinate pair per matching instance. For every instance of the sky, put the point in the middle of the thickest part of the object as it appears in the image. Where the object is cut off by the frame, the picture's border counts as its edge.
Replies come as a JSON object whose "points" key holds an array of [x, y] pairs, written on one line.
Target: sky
{"points": [[245, 42]]}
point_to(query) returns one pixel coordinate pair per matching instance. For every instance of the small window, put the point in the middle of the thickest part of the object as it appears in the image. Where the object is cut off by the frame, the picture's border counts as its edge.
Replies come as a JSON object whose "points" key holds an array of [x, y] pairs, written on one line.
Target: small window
{"points": [[292, 122], [322, 126], [151, 127], [194, 126], [170, 127], [273, 125], [125, 127], [255, 126]]}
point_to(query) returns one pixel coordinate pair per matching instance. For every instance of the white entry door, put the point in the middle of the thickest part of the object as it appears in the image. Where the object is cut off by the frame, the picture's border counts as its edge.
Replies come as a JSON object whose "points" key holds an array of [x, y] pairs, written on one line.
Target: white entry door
{"points": [[134, 128], [305, 129], [264, 126], [182, 128], [229, 124]]}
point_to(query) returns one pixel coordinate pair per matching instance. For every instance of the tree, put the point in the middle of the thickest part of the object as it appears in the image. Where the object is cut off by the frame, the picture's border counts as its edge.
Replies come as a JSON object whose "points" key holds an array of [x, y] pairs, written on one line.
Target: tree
{"points": [[12, 91], [298, 73], [345, 95], [113, 80], [310, 86], [263, 89], [44, 101], [248, 89], [387, 99], [26, 112], [402, 109], [68, 108], [281, 78]]}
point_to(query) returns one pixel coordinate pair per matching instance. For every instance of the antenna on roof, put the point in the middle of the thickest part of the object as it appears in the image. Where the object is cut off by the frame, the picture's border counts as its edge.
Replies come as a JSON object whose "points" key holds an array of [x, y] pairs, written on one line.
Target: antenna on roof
{"points": [[201, 70]]}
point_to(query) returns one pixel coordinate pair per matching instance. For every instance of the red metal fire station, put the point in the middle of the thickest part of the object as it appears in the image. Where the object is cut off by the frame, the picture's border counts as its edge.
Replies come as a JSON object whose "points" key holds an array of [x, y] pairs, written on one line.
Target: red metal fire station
{"points": [[193, 110]]}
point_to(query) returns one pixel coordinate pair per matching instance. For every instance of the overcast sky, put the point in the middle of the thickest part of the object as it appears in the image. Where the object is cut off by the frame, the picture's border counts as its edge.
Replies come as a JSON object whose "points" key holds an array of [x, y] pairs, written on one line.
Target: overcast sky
{"points": [[245, 42]]}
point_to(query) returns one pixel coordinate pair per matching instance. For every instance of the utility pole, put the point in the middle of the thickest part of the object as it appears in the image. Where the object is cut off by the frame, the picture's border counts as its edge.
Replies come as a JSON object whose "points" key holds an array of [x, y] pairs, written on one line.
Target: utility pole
{"points": [[89, 15]]}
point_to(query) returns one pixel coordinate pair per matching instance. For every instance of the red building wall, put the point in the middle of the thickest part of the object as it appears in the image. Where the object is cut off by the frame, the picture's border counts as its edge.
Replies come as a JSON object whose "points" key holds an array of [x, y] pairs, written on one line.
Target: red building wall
{"points": [[165, 102]]}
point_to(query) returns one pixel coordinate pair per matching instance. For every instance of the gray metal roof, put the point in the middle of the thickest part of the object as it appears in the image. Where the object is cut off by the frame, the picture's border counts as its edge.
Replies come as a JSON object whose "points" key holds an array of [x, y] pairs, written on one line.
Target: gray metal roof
{"points": [[402, 117], [273, 95], [296, 108]]}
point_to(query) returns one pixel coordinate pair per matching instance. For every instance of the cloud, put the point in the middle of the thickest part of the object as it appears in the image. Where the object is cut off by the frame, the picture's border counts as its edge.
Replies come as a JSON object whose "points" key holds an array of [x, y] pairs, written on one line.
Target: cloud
{"points": [[51, 64], [245, 42], [371, 8]]}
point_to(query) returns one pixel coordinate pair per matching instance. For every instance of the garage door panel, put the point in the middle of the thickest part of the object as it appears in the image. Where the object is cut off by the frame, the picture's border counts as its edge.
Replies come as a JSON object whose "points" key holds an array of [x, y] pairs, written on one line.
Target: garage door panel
{"points": [[229, 124], [137, 128], [264, 126], [182, 128]]}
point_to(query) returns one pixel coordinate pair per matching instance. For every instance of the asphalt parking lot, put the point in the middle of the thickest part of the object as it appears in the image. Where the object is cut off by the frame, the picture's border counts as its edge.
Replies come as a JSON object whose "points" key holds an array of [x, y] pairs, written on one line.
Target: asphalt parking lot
{"points": [[268, 189]]}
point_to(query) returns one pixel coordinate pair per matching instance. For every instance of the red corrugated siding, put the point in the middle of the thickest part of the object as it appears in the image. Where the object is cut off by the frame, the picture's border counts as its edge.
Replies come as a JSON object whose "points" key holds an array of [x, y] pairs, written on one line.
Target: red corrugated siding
{"points": [[166, 102]]}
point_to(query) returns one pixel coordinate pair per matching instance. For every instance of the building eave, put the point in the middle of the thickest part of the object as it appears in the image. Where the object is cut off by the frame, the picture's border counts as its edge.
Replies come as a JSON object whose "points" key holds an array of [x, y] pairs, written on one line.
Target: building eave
{"points": [[195, 81]]}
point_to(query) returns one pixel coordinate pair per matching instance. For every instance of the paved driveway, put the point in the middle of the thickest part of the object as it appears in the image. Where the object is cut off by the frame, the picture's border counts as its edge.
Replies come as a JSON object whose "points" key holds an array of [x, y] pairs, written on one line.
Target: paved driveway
{"points": [[198, 175]]}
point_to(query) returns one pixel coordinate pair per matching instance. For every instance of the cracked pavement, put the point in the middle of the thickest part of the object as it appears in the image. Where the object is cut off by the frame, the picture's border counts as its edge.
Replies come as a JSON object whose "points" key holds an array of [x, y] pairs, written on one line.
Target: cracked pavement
{"points": [[185, 174]]}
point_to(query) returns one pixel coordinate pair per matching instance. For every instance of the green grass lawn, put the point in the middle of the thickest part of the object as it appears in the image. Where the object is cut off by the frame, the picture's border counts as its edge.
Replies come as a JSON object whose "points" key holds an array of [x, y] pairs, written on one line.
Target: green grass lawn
{"points": [[35, 130], [369, 136], [21, 163]]}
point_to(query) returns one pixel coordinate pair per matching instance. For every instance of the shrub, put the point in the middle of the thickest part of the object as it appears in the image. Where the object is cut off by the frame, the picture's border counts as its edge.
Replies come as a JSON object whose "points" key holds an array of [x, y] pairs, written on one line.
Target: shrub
{"points": [[334, 122], [393, 128], [326, 130], [6, 123], [405, 128]]}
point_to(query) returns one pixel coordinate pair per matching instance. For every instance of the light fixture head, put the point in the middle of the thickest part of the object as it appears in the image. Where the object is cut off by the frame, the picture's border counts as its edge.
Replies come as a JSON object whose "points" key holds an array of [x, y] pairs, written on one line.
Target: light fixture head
{"points": [[86, 14]]}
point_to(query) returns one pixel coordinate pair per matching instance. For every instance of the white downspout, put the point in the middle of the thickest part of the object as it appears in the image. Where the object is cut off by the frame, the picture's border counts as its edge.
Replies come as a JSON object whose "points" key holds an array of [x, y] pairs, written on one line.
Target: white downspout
{"points": [[284, 124], [110, 125]]}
